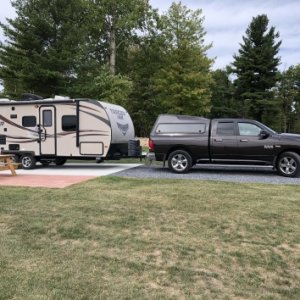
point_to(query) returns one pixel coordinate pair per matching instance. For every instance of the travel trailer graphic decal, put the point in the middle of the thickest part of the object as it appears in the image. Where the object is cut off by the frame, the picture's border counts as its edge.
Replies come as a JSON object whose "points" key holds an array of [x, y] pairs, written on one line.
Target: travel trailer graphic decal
{"points": [[36, 138], [123, 128]]}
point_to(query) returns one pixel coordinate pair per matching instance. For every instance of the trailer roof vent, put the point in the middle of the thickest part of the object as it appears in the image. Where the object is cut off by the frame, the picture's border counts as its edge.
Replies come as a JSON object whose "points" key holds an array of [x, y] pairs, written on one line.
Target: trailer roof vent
{"points": [[58, 97]]}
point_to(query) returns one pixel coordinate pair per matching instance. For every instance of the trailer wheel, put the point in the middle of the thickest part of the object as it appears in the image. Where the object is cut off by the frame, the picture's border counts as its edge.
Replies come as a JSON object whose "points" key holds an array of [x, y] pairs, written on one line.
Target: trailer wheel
{"points": [[60, 161], [28, 161], [288, 164], [180, 161]]}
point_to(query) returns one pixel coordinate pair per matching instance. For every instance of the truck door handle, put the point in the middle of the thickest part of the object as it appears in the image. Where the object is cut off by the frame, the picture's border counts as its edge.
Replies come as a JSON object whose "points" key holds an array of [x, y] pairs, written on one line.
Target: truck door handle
{"points": [[218, 140], [243, 140]]}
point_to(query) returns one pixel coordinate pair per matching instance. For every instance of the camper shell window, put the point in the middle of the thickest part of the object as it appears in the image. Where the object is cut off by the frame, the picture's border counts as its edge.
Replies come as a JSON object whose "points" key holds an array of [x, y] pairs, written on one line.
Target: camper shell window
{"points": [[29, 121], [69, 123], [187, 128]]}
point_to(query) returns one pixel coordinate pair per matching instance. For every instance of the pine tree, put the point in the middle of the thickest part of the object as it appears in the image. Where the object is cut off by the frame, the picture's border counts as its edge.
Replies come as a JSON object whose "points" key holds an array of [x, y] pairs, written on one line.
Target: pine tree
{"points": [[256, 69], [42, 47], [288, 95], [223, 104]]}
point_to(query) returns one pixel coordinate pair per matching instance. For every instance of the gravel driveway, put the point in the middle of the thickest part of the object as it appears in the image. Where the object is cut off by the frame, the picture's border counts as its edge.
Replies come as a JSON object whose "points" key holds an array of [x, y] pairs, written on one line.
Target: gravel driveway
{"points": [[257, 174]]}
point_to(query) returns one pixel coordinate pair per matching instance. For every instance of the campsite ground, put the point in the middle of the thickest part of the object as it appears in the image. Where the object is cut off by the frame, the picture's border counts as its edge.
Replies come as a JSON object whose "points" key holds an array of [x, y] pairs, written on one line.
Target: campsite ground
{"points": [[121, 238]]}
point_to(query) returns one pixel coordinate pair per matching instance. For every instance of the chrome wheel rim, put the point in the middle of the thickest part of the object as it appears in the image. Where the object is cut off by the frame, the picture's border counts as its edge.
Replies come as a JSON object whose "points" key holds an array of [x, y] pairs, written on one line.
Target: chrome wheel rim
{"points": [[287, 165], [179, 162], [26, 162]]}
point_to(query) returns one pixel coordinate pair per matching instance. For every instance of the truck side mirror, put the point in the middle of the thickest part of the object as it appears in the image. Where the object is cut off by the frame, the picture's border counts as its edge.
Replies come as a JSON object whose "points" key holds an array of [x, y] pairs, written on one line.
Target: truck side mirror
{"points": [[264, 135]]}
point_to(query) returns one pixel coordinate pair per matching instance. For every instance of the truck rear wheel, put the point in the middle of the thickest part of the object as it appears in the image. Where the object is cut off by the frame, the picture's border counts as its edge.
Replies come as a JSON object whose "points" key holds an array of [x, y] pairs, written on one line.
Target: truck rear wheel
{"points": [[288, 164], [28, 161], [180, 161]]}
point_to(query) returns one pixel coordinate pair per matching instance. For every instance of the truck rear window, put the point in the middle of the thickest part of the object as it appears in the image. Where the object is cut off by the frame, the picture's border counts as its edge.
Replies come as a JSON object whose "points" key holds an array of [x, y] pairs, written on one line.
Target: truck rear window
{"points": [[180, 128]]}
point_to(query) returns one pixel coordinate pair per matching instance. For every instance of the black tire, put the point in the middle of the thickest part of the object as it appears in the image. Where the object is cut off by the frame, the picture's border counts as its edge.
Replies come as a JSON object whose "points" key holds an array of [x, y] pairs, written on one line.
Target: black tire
{"points": [[45, 163], [60, 161], [180, 161], [288, 164], [28, 161]]}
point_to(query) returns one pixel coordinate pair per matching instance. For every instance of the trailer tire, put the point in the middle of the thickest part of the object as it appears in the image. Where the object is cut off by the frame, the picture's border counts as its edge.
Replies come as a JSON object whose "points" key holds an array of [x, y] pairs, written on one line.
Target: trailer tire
{"points": [[60, 161], [180, 161], [45, 163], [28, 161]]}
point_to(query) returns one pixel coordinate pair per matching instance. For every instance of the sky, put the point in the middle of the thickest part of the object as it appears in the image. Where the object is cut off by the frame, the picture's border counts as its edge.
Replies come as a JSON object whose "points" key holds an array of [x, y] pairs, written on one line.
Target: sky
{"points": [[226, 22]]}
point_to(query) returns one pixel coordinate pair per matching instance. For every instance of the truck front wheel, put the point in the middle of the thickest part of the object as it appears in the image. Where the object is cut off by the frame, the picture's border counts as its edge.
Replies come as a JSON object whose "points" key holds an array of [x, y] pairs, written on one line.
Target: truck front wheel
{"points": [[180, 161], [288, 164], [28, 161]]}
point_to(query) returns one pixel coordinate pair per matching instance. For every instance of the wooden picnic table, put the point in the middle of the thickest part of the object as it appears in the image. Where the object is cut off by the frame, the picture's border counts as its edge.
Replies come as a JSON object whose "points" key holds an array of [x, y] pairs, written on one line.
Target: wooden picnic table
{"points": [[7, 163]]}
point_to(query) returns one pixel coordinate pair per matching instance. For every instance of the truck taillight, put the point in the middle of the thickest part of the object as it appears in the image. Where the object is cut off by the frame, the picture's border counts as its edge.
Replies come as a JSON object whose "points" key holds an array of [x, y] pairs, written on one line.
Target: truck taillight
{"points": [[151, 145]]}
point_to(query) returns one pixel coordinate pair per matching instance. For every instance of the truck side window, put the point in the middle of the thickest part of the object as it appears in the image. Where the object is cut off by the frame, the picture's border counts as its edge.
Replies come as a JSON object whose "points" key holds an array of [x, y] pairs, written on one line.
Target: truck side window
{"points": [[225, 128], [249, 129]]}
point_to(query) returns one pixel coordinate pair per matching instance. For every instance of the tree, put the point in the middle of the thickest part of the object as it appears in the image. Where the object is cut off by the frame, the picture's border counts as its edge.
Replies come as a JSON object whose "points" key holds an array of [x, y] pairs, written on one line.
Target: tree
{"points": [[183, 82], [256, 69], [144, 60], [288, 94], [114, 25], [223, 104], [43, 46]]}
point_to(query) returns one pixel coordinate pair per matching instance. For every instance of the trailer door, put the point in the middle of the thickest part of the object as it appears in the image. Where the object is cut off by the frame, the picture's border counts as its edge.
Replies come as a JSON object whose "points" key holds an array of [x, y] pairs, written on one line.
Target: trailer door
{"points": [[47, 130]]}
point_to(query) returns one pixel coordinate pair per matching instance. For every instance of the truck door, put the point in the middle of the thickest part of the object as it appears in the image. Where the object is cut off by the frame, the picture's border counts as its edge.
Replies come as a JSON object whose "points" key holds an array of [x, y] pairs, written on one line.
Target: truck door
{"points": [[223, 142], [47, 130], [252, 145]]}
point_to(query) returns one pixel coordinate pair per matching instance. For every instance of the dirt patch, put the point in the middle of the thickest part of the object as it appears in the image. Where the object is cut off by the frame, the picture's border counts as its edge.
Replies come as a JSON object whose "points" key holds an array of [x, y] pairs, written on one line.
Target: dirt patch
{"points": [[48, 181]]}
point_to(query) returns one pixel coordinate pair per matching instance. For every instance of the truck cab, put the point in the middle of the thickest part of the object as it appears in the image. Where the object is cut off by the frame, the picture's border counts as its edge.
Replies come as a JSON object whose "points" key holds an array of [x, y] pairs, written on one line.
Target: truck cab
{"points": [[242, 141]]}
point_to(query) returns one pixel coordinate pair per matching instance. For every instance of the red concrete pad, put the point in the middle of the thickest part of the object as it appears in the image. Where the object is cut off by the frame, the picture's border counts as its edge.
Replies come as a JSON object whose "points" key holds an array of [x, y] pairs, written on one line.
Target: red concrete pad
{"points": [[48, 181]]}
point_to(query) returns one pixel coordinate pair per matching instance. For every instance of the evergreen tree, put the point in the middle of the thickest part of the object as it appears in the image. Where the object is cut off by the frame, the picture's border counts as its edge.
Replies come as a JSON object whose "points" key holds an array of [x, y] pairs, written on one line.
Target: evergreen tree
{"points": [[288, 95], [223, 104], [256, 70], [43, 46], [183, 83]]}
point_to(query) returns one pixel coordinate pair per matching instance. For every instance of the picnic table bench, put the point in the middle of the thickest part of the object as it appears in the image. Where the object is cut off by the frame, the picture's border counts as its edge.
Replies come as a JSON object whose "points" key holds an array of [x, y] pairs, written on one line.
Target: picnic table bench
{"points": [[7, 163]]}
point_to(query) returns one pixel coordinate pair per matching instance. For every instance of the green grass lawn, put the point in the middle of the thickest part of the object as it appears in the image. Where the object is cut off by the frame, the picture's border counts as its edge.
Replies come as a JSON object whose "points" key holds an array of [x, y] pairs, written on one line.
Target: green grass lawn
{"points": [[115, 238]]}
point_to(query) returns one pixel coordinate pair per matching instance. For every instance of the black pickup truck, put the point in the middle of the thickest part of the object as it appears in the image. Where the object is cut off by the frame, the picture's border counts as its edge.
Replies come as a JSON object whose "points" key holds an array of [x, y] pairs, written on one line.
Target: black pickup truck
{"points": [[184, 141]]}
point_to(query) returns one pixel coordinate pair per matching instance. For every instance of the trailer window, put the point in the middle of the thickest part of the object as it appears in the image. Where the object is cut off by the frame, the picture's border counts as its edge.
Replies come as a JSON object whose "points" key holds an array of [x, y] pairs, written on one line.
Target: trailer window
{"points": [[181, 128], [29, 121], [69, 123], [47, 118]]}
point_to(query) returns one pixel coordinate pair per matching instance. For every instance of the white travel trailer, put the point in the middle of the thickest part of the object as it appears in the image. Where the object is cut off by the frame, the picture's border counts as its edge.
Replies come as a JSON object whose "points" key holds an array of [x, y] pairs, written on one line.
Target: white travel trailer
{"points": [[54, 130]]}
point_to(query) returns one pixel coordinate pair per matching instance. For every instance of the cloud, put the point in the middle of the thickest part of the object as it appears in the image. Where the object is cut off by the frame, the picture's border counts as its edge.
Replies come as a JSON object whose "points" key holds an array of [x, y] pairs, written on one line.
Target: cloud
{"points": [[6, 11], [226, 22]]}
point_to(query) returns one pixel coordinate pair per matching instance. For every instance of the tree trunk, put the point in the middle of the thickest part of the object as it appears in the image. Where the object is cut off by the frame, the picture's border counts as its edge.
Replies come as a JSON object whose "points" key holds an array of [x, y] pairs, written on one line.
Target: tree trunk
{"points": [[113, 48]]}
